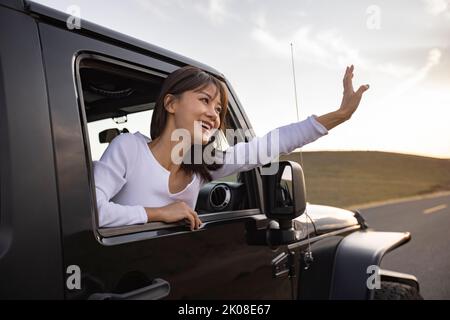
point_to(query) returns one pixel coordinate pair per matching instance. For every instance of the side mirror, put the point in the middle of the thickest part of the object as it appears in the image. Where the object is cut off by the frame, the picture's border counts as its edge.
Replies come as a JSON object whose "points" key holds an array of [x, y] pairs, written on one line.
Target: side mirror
{"points": [[285, 200], [286, 192]]}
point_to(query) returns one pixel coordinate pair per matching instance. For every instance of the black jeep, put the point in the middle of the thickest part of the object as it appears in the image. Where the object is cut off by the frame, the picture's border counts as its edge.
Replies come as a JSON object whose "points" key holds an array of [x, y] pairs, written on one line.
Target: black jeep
{"points": [[64, 94]]}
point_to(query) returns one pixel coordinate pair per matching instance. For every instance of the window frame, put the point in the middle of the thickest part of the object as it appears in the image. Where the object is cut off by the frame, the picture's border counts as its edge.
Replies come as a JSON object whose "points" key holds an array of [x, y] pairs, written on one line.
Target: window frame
{"points": [[157, 229]]}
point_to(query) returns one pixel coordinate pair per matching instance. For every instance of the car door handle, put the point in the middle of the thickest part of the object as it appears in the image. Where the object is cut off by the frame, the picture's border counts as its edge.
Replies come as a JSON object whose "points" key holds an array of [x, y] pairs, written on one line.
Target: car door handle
{"points": [[157, 290]]}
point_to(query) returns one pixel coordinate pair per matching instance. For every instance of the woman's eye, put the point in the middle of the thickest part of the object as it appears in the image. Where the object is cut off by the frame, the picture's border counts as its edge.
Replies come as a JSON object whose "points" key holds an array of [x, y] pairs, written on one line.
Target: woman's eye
{"points": [[204, 99], [219, 109]]}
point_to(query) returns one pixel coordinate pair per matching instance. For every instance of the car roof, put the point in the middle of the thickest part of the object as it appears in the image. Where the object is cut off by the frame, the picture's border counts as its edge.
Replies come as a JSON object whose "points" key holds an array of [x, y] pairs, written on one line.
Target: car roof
{"points": [[48, 13]]}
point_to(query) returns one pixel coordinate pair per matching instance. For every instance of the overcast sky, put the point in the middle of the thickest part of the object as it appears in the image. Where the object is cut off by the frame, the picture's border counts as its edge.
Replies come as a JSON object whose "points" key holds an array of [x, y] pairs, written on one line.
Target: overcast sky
{"points": [[400, 47]]}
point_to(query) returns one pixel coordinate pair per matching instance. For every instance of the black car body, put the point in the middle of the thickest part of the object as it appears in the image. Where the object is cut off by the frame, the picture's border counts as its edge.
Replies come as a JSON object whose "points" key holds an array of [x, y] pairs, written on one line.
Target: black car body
{"points": [[56, 81]]}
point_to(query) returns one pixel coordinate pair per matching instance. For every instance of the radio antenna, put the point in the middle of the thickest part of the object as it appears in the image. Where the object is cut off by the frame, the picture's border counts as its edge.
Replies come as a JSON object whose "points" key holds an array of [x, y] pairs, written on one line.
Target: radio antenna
{"points": [[295, 94], [307, 255]]}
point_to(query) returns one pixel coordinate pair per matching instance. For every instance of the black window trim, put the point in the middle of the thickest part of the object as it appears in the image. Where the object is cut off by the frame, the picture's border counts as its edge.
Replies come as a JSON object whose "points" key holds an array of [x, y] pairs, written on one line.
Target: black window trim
{"points": [[153, 229], [171, 228]]}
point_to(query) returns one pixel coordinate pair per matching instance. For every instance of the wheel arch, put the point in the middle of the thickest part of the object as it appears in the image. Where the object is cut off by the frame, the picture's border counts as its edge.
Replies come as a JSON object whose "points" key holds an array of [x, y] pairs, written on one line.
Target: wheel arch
{"points": [[355, 253]]}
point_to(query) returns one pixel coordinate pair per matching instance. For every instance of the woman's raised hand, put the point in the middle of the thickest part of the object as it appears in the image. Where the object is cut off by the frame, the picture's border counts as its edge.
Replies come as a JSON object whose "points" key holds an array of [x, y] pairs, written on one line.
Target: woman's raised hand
{"points": [[351, 99], [174, 212]]}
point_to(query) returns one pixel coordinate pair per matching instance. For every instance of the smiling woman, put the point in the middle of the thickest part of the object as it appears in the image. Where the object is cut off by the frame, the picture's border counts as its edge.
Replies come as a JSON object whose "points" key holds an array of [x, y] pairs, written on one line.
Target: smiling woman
{"points": [[137, 178], [188, 97]]}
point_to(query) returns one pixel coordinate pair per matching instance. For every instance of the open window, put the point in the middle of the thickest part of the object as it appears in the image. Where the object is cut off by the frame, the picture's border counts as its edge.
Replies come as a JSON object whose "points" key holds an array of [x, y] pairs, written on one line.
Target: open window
{"points": [[118, 97]]}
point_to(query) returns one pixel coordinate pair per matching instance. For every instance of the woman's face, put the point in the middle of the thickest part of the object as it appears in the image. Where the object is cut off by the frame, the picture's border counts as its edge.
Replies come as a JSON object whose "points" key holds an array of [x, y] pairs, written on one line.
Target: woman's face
{"points": [[198, 112]]}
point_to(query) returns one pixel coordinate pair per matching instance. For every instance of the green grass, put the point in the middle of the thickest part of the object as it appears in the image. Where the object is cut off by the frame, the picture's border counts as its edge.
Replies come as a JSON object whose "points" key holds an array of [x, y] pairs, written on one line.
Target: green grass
{"points": [[347, 178]]}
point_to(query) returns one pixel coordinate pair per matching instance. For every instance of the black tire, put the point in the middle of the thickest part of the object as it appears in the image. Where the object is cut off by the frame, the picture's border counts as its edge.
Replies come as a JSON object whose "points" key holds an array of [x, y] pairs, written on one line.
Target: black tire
{"points": [[396, 291]]}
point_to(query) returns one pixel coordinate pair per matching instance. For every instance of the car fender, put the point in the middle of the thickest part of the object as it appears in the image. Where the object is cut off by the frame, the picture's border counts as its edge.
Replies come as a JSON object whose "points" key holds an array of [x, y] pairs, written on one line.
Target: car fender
{"points": [[354, 254]]}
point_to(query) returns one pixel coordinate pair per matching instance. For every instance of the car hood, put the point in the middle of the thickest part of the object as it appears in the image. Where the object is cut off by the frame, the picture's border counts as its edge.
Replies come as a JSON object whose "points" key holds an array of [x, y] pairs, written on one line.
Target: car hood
{"points": [[327, 218]]}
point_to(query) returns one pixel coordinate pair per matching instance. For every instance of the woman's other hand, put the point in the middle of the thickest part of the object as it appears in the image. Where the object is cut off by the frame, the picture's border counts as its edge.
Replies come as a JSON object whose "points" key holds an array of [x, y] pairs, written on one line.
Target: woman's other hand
{"points": [[174, 212], [351, 99], [349, 104]]}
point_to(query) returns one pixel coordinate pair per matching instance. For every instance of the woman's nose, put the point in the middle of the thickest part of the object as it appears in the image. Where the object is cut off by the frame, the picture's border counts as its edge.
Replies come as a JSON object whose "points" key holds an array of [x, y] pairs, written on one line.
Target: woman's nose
{"points": [[211, 113]]}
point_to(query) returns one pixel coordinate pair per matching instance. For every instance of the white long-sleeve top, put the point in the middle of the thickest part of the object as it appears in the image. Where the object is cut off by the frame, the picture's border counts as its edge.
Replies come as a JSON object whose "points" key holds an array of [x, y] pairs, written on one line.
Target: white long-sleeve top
{"points": [[128, 177]]}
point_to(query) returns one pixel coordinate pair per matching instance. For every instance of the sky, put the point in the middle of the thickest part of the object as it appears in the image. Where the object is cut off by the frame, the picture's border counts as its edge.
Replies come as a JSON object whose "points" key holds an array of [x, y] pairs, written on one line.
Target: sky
{"points": [[400, 47]]}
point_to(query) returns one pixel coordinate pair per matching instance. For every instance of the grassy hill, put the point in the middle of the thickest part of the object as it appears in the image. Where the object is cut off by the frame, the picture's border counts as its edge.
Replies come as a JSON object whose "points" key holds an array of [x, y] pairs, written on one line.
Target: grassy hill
{"points": [[346, 178]]}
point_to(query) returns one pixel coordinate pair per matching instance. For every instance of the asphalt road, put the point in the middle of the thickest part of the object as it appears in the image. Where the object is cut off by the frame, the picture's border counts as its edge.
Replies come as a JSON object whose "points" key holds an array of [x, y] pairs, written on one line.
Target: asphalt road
{"points": [[427, 255]]}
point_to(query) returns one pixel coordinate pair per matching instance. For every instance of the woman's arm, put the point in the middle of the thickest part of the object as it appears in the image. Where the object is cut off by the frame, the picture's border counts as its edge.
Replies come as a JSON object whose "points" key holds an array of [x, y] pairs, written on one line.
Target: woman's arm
{"points": [[332, 119], [174, 212], [111, 174], [246, 156]]}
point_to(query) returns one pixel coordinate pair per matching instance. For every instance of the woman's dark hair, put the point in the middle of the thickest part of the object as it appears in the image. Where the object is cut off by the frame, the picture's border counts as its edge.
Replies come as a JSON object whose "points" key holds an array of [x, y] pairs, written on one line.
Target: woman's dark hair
{"points": [[185, 79]]}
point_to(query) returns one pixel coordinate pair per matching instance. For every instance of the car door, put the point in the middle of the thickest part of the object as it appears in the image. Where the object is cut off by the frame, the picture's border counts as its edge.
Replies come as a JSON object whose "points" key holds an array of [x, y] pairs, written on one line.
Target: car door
{"points": [[155, 260]]}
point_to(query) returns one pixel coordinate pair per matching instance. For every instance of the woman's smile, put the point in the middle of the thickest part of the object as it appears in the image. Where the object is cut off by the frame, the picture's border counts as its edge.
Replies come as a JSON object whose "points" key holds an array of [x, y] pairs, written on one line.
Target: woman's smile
{"points": [[207, 125]]}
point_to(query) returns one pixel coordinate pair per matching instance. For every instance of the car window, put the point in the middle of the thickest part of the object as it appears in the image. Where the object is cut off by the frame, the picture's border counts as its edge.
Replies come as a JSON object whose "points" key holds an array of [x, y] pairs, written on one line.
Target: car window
{"points": [[118, 98]]}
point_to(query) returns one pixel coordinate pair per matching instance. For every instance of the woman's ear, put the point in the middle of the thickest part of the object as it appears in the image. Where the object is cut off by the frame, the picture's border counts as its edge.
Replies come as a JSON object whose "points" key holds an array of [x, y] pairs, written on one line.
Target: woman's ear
{"points": [[169, 100]]}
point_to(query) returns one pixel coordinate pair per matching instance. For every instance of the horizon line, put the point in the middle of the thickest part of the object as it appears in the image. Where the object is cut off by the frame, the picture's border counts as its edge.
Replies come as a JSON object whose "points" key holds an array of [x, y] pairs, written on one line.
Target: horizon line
{"points": [[384, 151]]}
